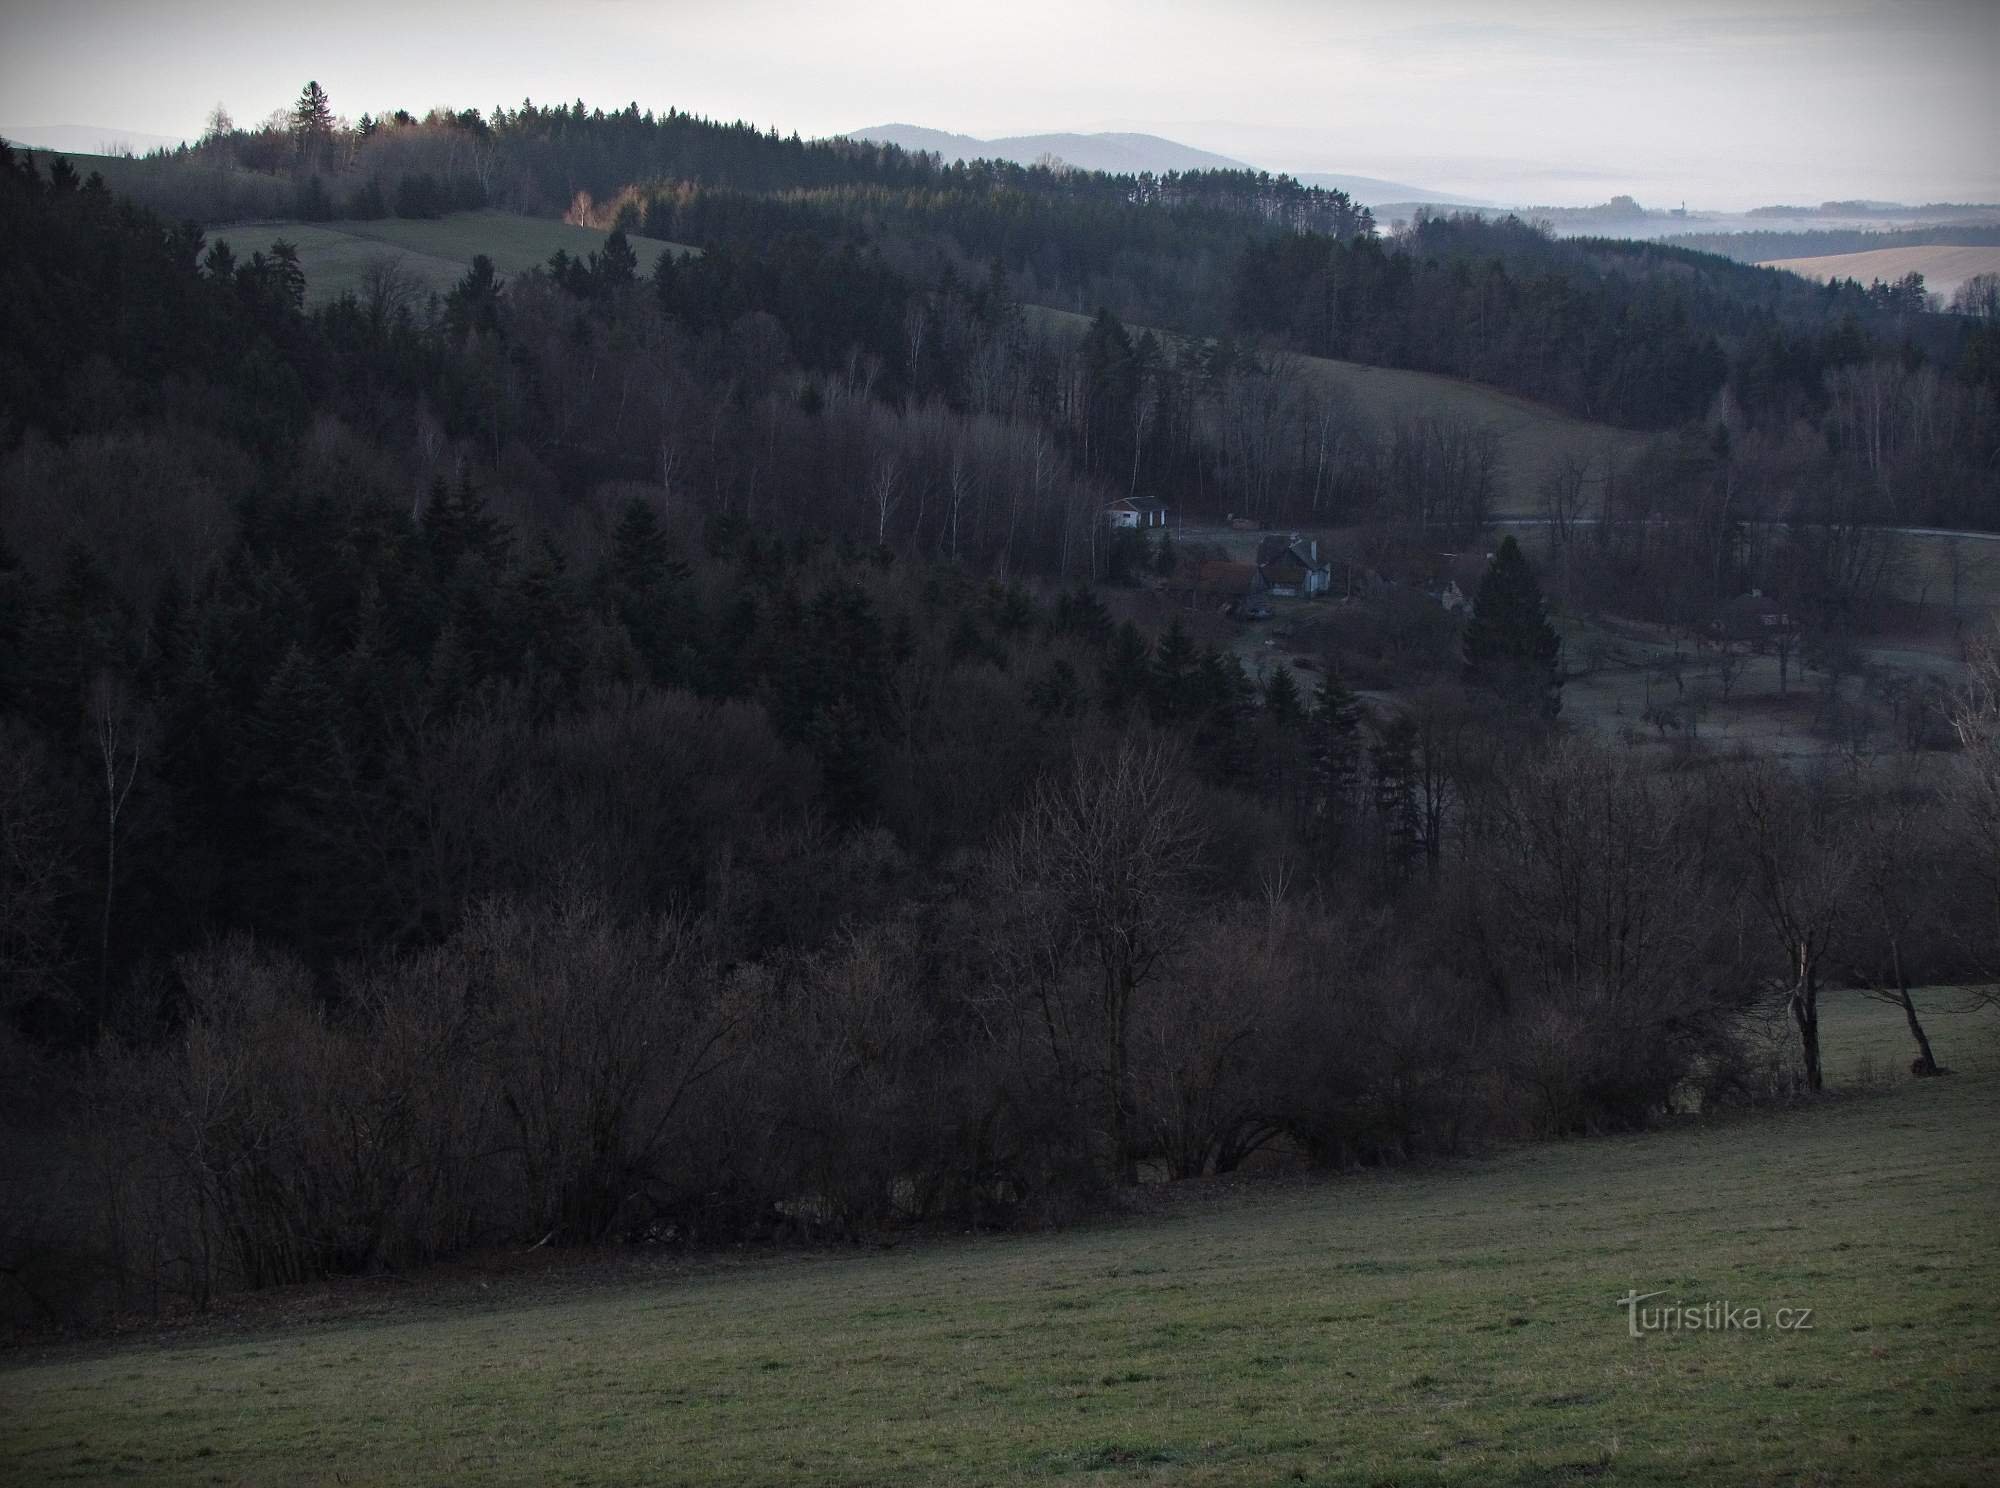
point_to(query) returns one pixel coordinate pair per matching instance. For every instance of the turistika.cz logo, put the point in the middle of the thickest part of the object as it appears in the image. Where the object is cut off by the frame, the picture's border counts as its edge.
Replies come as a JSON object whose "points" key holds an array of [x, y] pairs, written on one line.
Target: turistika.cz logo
{"points": [[1709, 1317]]}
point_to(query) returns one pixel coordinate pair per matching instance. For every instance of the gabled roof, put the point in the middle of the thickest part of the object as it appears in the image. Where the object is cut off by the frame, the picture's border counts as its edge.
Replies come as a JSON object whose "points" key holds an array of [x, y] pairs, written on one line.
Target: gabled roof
{"points": [[1135, 504], [1293, 557], [1219, 576]]}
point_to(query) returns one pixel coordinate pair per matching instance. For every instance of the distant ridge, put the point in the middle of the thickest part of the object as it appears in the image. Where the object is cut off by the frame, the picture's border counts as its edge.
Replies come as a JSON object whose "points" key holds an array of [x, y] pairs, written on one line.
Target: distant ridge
{"points": [[1370, 192], [1119, 154], [84, 139], [1131, 154]]}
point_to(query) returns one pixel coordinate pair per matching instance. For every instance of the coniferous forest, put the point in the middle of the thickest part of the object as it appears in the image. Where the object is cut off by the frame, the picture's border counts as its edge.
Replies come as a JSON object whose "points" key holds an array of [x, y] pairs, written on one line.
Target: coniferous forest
{"points": [[673, 751]]}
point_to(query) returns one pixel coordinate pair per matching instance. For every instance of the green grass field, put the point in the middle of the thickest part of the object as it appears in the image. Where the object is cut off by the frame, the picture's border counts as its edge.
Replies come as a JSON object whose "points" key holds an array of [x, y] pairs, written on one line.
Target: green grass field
{"points": [[436, 251], [1451, 1325]]}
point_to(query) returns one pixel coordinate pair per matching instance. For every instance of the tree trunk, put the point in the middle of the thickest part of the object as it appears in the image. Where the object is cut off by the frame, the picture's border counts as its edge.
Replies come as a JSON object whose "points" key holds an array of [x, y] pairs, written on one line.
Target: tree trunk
{"points": [[1805, 1012], [1123, 1163], [1926, 1061]]}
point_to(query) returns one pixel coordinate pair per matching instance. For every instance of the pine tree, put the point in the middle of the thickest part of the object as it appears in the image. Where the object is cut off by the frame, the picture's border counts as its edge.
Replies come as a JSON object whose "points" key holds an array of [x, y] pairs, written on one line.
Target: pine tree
{"points": [[617, 265], [1333, 733], [312, 124], [1281, 697], [1394, 758], [1224, 697], [1510, 647], [1126, 677], [1173, 694]]}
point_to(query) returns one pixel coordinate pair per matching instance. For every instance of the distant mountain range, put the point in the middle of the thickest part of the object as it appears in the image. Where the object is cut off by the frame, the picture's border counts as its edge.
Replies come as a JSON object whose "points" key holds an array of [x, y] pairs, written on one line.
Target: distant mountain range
{"points": [[1122, 154]]}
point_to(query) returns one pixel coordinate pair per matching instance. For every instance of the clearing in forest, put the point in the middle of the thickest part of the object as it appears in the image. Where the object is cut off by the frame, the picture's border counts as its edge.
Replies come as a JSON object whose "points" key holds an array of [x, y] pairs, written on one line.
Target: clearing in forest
{"points": [[435, 251]]}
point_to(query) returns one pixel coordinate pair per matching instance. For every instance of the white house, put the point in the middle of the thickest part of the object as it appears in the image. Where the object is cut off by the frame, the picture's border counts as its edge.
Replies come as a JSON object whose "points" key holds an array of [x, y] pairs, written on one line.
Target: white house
{"points": [[1133, 513]]}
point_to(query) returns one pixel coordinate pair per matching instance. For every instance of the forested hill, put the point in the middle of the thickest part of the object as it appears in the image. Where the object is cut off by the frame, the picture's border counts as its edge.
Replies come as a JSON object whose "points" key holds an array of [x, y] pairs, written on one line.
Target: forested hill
{"points": [[1633, 334]]}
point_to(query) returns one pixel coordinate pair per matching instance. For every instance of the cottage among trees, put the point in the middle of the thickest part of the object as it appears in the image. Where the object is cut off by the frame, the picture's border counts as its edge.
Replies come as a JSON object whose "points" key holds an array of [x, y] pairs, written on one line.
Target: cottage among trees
{"points": [[1127, 512]]}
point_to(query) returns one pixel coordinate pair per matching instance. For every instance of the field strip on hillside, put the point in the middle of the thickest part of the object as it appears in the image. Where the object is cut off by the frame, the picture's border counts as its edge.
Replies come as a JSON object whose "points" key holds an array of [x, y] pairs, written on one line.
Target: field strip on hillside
{"points": [[437, 251], [1470, 1323], [1534, 436], [1944, 266]]}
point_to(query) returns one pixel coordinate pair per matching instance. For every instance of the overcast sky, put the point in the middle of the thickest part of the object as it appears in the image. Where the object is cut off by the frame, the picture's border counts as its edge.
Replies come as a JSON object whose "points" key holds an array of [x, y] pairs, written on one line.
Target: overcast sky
{"points": [[1558, 102]]}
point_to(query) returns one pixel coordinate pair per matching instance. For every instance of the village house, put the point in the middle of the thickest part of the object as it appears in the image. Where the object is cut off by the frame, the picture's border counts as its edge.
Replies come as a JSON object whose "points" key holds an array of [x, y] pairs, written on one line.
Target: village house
{"points": [[1130, 512], [1291, 566]]}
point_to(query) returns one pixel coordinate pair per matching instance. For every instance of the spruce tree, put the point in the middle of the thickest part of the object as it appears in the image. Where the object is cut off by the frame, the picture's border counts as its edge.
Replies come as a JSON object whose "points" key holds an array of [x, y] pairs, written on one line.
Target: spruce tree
{"points": [[1394, 757], [1510, 647], [1281, 696], [1174, 686], [312, 124], [1125, 679]]}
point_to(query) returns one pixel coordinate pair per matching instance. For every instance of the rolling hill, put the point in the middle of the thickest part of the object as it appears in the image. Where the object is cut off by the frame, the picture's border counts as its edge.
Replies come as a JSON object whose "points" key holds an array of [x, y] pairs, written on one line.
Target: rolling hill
{"points": [[435, 251], [1943, 266], [1533, 436]]}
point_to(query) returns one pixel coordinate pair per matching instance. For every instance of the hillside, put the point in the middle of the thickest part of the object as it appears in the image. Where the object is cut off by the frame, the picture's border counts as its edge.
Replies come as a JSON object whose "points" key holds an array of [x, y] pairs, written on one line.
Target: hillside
{"points": [[1944, 266], [436, 252], [1534, 436]]}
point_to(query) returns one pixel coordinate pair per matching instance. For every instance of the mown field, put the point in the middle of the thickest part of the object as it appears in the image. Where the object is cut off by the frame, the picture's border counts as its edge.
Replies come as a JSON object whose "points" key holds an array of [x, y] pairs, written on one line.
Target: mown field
{"points": [[1455, 1325], [1533, 436], [1943, 266], [436, 252]]}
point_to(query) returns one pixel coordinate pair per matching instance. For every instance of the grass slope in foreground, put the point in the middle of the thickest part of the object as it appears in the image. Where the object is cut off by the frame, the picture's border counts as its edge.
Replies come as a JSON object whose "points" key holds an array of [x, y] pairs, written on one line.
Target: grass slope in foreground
{"points": [[1448, 1326], [436, 251]]}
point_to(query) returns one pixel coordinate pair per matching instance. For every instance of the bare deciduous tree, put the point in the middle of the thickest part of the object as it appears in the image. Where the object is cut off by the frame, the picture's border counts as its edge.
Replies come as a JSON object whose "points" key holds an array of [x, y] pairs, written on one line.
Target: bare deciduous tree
{"points": [[118, 734], [1801, 872], [386, 287], [1100, 859]]}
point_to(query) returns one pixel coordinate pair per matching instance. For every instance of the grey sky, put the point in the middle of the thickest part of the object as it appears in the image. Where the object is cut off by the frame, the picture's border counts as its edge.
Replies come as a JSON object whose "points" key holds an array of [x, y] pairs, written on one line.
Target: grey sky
{"points": [[1552, 101]]}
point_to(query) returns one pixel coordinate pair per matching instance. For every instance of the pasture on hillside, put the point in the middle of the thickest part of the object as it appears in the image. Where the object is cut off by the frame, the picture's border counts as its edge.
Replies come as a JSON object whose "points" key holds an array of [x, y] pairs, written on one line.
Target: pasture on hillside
{"points": [[1944, 266], [435, 251], [1534, 437], [1460, 1324]]}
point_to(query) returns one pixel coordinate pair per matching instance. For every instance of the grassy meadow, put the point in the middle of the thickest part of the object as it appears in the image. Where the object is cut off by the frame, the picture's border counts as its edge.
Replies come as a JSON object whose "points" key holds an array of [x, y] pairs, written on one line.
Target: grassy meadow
{"points": [[1449, 1325], [436, 252]]}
